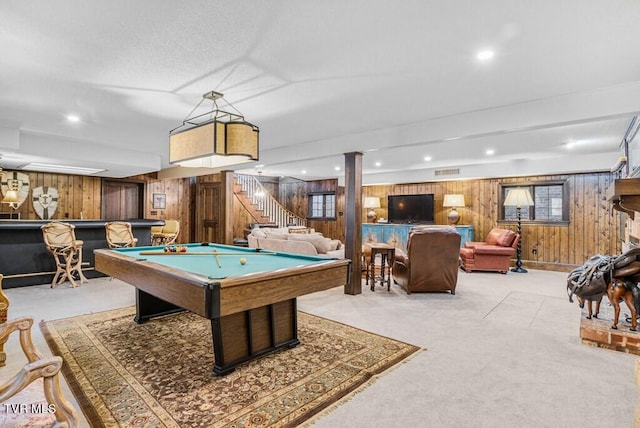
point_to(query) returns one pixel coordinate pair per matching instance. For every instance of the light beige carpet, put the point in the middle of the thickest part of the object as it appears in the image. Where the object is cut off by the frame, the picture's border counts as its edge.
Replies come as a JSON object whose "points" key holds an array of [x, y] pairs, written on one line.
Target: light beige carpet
{"points": [[159, 373]]}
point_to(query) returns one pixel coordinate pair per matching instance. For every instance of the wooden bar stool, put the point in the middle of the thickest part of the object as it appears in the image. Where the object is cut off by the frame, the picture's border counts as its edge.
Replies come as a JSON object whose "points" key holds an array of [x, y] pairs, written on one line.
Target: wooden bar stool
{"points": [[60, 240], [119, 234], [387, 255]]}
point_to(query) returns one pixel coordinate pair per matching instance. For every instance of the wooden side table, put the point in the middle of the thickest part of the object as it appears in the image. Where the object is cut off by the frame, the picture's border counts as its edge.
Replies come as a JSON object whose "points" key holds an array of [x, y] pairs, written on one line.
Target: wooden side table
{"points": [[387, 255]]}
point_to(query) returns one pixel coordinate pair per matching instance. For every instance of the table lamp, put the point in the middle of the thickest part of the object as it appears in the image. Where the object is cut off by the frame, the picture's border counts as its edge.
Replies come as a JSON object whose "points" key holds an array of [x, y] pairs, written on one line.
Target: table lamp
{"points": [[371, 203], [453, 201]]}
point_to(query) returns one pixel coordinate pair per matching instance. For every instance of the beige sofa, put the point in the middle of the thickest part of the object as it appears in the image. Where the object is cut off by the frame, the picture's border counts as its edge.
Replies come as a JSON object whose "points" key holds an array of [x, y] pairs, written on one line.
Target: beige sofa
{"points": [[295, 240]]}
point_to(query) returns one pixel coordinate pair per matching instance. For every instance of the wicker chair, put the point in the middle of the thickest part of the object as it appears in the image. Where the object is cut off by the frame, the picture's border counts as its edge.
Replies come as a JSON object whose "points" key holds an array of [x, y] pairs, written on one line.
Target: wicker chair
{"points": [[119, 234], [60, 240], [38, 367], [167, 235]]}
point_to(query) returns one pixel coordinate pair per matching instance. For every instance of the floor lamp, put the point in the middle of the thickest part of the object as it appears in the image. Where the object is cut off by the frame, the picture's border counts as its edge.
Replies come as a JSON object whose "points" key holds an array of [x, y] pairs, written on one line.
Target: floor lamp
{"points": [[518, 198]]}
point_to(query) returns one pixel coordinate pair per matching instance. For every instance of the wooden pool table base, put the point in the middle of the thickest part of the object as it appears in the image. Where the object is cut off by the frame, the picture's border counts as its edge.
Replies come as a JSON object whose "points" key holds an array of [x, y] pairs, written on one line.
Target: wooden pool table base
{"points": [[239, 337], [251, 313]]}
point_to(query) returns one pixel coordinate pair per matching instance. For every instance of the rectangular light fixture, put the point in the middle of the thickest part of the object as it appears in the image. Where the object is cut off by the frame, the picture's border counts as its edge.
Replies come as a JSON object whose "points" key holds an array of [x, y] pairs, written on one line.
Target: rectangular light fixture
{"points": [[214, 139], [214, 144], [62, 169]]}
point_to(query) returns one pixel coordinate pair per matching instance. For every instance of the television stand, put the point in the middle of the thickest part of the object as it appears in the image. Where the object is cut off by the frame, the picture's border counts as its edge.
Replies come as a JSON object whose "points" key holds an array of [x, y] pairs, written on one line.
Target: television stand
{"points": [[397, 234]]}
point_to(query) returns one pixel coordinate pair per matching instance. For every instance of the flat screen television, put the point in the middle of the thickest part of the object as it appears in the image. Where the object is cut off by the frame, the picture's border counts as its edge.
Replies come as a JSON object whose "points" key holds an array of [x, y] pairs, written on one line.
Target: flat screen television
{"points": [[410, 208]]}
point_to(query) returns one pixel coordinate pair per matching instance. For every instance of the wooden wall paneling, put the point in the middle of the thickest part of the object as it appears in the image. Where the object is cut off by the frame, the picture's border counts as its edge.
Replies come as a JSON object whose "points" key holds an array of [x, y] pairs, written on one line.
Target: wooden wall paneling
{"points": [[579, 219], [607, 221], [590, 217], [74, 190], [91, 191], [66, 203]]}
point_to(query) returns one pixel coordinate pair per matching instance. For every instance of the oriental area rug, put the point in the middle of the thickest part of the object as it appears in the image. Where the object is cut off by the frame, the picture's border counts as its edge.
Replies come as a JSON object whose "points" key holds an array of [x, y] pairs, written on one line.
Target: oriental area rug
{"points": [[159, 374]]}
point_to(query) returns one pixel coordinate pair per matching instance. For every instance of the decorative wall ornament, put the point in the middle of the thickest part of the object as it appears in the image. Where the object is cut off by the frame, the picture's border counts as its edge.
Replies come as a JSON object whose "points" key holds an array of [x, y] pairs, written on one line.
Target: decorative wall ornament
{"points": [[18, 181], [45, 201]]}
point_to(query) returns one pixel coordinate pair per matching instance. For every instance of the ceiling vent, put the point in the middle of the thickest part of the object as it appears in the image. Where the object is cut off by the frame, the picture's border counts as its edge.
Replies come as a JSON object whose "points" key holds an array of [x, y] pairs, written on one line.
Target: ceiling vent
{"points": [[453, 171]]}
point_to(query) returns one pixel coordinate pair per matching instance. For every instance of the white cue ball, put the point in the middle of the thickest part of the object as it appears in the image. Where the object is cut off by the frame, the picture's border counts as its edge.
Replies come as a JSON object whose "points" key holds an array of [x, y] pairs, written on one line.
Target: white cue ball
{"points": [[243, 260]]}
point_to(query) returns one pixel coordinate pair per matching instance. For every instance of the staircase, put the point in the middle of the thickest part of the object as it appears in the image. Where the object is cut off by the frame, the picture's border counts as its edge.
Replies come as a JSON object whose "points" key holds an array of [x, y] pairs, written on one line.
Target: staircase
{"points": [[262, 206]]}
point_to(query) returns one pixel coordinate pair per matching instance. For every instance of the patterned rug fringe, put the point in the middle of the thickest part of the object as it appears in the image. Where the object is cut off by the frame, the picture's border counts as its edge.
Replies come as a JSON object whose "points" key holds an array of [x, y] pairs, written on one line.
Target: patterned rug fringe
{"points": [[348, 397]]}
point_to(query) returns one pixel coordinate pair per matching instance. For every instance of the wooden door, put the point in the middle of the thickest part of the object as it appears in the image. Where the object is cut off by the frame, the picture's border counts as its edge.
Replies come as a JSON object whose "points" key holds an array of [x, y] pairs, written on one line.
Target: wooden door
{"points": [[208, 212], [121, 200]]}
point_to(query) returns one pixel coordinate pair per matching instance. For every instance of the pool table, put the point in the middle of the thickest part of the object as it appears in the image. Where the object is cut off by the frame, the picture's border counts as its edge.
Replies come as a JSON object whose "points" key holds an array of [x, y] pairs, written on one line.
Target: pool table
{"points": [[252, 306]]}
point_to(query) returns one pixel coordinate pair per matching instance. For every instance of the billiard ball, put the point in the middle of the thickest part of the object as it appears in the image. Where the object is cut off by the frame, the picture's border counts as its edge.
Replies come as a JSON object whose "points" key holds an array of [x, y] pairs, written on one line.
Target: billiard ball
{"points": [[243, 260]]}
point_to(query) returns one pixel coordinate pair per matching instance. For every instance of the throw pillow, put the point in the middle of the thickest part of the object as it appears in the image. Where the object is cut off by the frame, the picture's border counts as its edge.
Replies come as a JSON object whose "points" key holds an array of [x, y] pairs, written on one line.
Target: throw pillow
{"points": [[334, 244], [258, 233], [322, 246], [298, 230], [282, 236]]}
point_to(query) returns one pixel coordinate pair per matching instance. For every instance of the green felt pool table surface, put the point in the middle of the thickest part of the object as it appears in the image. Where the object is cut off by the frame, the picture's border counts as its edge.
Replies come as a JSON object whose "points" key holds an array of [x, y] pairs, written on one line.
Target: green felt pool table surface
{"points": [[194, 261]]}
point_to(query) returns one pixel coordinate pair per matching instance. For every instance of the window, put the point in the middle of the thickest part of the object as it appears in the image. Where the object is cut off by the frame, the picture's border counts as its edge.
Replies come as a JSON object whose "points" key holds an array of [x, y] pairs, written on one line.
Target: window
{"points": [[322, 205], [550, 203]]}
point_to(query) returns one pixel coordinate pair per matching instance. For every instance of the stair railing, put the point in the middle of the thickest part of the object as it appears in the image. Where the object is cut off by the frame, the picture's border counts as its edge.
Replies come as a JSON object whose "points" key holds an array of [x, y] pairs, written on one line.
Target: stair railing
{"points": [[266, 203]]}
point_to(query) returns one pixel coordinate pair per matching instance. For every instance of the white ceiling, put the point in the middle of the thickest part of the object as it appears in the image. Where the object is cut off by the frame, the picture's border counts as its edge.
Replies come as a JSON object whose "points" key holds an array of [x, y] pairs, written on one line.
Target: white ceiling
{"points": [[398, 81]]}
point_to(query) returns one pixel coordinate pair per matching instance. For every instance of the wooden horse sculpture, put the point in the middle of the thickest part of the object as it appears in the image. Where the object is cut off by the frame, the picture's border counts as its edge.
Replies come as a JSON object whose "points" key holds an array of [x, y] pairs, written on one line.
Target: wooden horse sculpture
{"points": [[618, 276], [590, 300], [619, 290]]}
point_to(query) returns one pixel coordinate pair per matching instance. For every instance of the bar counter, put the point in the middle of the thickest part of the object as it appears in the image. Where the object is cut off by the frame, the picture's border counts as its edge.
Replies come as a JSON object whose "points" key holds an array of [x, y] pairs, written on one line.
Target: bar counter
{"points": [[24, 259]]}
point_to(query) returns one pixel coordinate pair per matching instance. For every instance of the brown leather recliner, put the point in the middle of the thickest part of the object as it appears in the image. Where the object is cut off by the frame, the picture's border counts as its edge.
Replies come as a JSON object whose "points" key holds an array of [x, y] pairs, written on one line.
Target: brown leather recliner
{"points": [[431, 261], [494, 254]]}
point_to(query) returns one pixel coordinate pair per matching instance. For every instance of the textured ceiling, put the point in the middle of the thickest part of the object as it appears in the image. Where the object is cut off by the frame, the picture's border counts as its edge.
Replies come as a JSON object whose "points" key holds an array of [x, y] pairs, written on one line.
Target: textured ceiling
{"points": [[398, 81]]}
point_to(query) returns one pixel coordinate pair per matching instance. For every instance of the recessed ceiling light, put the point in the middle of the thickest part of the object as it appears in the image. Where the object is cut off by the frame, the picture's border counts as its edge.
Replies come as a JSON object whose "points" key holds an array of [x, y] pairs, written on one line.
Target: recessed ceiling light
{"points": [[490, 152], [485, 55], [378, 163], [337, 168], [73, 118], [304, 171], [427, 158]]}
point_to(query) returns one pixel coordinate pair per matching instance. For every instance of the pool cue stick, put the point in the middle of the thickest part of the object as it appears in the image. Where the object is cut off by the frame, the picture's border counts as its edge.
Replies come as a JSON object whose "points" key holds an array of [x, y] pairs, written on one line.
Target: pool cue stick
{"points": [[215, 252], [201, 253]]}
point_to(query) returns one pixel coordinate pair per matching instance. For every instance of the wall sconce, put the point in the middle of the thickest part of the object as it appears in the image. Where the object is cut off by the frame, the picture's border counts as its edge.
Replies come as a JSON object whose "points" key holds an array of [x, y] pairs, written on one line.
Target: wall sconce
{"points": [[15, 187], [519, 198], [453, 201], [11, 198], [214, 139], [371, 203]]}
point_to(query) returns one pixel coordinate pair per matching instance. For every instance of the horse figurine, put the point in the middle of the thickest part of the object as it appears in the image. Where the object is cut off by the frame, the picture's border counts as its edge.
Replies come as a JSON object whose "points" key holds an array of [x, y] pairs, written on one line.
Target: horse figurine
{"points": [[617, 276], [617, 291], [589, 301]]}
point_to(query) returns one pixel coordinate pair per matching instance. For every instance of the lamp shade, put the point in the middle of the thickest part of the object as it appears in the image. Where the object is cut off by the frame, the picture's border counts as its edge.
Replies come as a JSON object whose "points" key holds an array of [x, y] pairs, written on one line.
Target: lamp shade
{"points": [[11, 197], [214, 144], [371, 202], [453, 200], [518, 197]]}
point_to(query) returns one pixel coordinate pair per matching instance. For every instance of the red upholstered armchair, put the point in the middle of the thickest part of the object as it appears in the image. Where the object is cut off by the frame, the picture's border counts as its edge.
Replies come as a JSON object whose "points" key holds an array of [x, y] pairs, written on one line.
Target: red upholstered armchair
{"points": [[494, 254]]}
